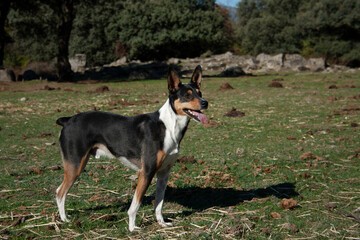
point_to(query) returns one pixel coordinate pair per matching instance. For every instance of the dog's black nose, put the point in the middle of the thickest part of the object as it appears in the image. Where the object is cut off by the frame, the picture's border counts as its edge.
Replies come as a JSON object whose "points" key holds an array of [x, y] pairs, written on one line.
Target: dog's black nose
{"points": [[204, 104]]}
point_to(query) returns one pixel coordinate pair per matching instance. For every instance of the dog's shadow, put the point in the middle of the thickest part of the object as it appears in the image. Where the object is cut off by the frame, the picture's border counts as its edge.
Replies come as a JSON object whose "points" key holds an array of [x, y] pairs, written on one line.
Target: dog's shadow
{"points": [[198, 199]]}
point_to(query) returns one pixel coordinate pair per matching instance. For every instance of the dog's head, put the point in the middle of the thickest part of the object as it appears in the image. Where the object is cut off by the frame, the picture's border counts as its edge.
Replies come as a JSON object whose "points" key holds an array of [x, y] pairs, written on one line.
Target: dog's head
{"points": [[186, 99]]}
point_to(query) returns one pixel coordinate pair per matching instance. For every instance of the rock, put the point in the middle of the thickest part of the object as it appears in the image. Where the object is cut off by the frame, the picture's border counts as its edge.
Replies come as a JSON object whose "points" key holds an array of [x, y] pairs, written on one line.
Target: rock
{"points": [[78, 62], [118, 62], [232, 72], [173, 61], [316, 64], [29, 75], [225, 56], [246, 62], [295, 62], [269, 63], [7, 75]]}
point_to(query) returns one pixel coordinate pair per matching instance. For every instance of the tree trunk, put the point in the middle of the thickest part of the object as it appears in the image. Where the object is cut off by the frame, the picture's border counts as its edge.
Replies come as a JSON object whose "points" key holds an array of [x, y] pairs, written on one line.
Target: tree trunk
{"points": [[66, 17], [4, 10]]}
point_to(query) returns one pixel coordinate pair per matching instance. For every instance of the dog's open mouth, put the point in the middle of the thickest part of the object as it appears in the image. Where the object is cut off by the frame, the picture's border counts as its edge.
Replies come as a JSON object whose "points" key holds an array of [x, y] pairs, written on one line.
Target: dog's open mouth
{"points": [[196, 115]]}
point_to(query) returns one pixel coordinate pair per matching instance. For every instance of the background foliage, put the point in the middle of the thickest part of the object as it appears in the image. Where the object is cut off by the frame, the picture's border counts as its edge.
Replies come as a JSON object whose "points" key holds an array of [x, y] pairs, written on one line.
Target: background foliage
{"points": [[320, 28], [157, 30]]}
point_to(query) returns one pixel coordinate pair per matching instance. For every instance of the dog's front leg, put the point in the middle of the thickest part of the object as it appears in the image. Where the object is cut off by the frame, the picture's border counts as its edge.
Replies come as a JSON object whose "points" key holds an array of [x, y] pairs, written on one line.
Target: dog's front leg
{"points": [[143, 184], [162, 178]]}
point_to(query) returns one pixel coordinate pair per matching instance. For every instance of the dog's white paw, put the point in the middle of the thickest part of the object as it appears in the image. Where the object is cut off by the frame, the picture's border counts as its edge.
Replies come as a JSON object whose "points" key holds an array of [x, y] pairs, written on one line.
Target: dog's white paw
{"points": [[65, 219], [165, 224], [134, 228]]}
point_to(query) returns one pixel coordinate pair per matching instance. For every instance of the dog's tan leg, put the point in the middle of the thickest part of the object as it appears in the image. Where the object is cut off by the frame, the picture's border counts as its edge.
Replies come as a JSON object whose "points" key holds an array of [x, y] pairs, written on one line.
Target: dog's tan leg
{"points": [[71, 173], [143, 184]]}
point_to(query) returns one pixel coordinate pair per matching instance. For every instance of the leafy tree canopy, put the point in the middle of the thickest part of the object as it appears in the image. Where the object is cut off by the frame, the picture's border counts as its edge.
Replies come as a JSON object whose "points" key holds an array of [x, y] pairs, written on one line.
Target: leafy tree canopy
{"points": [[326, 28], [168, 28]]}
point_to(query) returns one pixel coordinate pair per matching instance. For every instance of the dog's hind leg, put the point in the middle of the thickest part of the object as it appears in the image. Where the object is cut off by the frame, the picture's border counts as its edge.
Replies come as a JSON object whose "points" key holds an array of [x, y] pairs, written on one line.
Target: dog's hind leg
{"points": [[72, 171]]}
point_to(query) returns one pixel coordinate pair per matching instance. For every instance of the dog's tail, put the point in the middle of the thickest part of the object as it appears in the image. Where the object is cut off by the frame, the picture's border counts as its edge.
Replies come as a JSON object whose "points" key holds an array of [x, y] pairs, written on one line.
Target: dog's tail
{"points": [[62, 121]]}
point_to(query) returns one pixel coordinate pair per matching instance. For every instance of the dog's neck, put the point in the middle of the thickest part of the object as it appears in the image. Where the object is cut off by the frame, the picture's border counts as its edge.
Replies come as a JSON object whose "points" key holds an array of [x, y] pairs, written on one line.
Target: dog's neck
{"points": [[176, 126]]}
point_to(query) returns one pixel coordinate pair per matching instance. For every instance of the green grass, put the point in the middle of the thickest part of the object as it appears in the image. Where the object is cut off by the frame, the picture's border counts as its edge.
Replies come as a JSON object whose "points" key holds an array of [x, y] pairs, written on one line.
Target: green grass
{"points": [[245, 166]]}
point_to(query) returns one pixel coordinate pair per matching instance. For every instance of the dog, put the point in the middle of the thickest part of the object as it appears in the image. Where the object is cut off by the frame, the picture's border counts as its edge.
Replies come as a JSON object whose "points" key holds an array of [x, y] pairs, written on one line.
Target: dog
{"points": [[147, 143]]}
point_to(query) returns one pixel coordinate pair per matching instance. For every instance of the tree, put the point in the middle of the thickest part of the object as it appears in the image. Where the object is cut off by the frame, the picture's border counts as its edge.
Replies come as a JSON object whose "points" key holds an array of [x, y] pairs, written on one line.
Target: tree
{"points": [[268, 26], [159, 29], [66, 15], [47, 37], [94, 32], [4, 10], [332, 29]]}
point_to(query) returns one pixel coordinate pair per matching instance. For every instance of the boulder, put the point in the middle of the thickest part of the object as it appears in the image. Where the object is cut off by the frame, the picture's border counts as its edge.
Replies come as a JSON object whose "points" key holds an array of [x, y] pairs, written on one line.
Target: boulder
{"points": [[117, 63], [7, 75], [295, 62], [173, 61], [246, 62], [78, 62], [223, 57], [269, 63], [316, 64]]}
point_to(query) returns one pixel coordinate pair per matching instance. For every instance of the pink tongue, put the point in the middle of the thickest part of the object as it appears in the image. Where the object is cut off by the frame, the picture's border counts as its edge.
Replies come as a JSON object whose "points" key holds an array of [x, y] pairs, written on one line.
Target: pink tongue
{"points": [[202, 117]]}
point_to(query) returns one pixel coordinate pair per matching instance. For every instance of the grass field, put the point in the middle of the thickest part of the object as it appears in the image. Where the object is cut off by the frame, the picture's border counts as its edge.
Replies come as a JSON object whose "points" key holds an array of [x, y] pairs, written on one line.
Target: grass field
{"points": [[299, 142]]}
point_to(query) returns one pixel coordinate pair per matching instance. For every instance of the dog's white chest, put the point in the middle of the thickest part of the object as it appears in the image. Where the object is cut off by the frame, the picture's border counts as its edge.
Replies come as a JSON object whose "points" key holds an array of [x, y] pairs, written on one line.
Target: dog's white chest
{"points": [[175, 126]]}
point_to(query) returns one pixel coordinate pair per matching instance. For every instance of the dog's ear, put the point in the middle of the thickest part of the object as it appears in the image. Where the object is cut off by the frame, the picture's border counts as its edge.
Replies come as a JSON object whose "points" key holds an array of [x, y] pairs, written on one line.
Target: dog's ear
{"points": [[197, 76], [173, 80]]}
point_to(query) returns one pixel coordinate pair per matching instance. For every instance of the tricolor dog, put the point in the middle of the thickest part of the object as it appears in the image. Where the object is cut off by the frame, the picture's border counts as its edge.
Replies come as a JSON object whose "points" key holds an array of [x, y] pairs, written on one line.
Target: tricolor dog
{"points": [[148, 143]]}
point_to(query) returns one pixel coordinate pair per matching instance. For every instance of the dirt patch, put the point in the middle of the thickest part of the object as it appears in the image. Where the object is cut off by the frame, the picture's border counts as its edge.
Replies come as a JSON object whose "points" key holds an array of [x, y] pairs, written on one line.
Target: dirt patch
{"points": [[275, 215], [351, 109], [44, 134], [333, 98], [48, 88], [275, 84], [348, 86], [332, 87], [234, 113], [354, 124], [101, 89], [186, 159], [307, 155], [226, 86], [288, 203], [88, 82], [356, 97]]}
